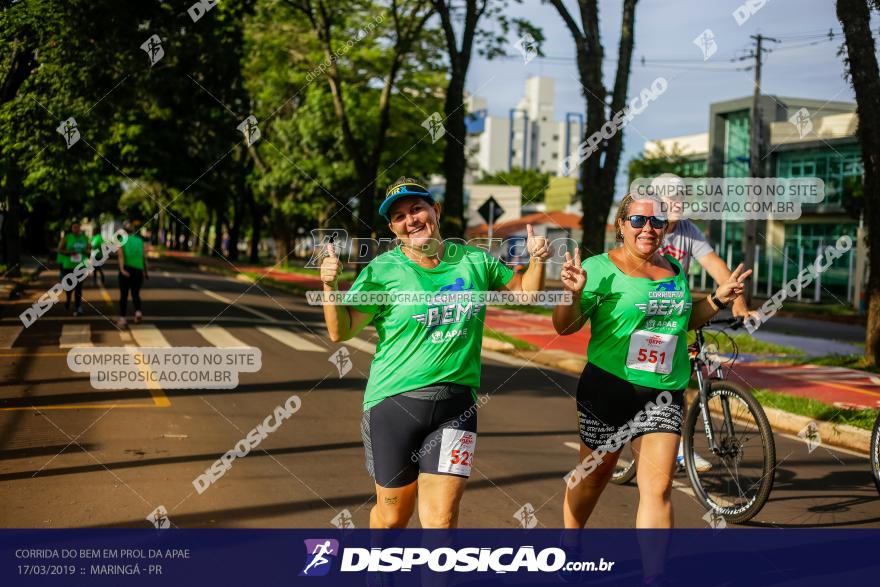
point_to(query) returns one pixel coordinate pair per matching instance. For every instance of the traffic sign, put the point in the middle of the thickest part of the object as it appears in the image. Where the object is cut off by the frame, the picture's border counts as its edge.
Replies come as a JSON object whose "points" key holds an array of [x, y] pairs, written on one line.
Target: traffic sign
{"points": [[491, 211]]}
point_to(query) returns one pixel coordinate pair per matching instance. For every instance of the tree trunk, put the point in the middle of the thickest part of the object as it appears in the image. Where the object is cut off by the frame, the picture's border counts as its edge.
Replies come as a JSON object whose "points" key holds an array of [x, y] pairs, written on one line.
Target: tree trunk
{"points": [[219, 223], [855, 17], [235, 228], [454, 158], [256, 226], [12, 222], [204, 248]]}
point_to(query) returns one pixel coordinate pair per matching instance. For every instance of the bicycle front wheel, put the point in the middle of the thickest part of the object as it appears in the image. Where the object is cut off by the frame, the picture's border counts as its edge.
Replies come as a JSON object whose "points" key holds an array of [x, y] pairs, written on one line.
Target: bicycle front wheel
{"points": [[744, 460], [625, 469], [875, 453]]}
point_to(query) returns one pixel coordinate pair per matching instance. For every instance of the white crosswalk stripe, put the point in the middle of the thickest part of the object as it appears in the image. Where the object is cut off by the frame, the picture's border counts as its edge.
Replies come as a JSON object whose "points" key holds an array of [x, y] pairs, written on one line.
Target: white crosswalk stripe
{"points": [[8, 335], [75, 335], [290, 339], [219, 336], [147, 335]]}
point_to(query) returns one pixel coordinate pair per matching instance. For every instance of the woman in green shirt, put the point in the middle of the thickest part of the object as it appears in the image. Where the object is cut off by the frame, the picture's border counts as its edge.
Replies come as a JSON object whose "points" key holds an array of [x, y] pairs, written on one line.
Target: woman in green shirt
{"points": [[640, 309], [420, 417], [73, 250]]}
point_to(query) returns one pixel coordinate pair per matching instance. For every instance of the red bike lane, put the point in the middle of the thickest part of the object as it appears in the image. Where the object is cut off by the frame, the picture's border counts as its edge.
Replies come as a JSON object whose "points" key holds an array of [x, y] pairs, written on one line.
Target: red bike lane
{"points": [[837, 386]]}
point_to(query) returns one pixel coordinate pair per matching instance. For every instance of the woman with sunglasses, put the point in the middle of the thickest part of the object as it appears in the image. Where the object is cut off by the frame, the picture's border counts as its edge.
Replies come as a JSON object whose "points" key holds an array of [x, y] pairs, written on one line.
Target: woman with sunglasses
{"points": [[640, 309], [420, 413]]}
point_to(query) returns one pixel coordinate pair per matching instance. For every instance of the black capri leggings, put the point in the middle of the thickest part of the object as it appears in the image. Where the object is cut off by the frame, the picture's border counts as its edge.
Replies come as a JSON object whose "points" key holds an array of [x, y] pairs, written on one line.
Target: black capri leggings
{"points": [[131, 283]]}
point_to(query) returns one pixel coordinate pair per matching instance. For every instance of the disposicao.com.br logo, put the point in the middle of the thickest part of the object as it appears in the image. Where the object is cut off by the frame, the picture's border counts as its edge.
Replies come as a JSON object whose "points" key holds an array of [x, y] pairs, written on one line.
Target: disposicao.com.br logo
{"points": [[320, 555]]}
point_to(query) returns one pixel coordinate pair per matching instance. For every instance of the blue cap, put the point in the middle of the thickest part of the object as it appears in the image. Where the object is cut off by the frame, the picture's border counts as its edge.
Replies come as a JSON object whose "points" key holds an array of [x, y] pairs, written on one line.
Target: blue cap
{"points": [[402, 190]]}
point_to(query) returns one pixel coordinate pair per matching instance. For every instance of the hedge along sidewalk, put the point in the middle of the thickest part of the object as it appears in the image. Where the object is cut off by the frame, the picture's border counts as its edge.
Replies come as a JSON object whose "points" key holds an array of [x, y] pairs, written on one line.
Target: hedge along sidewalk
{"points": [[289, 281], [831, 433]]}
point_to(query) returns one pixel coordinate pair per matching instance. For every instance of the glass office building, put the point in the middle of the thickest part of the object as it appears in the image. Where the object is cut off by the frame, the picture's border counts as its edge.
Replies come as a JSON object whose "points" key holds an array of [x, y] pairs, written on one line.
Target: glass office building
{"points": [[800, 138]]}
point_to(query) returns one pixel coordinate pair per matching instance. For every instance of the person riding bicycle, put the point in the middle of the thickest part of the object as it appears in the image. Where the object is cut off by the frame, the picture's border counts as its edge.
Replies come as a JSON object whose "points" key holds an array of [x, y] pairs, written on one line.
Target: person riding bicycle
{"points": [[640, 309], [685, 241], [419, 423]]}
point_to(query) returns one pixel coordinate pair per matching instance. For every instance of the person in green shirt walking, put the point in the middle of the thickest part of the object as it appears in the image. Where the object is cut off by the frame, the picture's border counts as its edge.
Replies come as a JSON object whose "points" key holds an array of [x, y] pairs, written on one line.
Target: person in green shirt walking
{"points": [[132, 273], [73, 250], [420, 413], [639, 306], [97, 241]]}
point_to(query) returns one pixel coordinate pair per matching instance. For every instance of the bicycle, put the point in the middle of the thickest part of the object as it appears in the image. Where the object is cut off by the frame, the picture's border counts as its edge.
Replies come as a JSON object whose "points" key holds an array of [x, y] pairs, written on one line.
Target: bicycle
{"points": [[875, 452], [739, 482]]}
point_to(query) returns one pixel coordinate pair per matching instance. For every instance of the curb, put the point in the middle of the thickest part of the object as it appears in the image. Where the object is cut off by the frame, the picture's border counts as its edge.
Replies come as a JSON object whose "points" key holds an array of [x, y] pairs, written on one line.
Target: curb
{"points": [[835, 435]]}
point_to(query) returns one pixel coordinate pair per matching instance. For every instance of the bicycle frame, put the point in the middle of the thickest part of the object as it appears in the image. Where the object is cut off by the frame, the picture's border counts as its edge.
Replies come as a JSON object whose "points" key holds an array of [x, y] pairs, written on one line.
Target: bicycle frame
{"points": [[703, 382]]}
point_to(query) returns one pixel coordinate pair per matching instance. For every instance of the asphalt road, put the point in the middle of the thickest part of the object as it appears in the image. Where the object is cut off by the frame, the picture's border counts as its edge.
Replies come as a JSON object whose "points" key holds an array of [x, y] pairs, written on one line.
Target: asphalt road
{"points": [[74, 456]]}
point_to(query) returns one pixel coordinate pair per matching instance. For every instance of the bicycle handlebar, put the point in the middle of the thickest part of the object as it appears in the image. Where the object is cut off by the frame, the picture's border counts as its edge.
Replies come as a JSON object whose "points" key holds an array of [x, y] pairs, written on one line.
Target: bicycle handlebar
{"points": [[734, 323]]}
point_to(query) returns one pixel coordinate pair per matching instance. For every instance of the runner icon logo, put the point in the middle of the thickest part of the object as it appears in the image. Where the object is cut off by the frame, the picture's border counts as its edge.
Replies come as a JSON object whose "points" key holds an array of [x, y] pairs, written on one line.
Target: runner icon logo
{"points": [[526, 516], [320, 554]]}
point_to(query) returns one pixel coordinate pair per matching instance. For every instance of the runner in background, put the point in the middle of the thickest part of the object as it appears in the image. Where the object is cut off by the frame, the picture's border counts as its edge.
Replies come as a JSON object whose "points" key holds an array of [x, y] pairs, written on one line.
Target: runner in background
{"points": [[132, 272], [73, 249], [97, 241], [685, 241]]}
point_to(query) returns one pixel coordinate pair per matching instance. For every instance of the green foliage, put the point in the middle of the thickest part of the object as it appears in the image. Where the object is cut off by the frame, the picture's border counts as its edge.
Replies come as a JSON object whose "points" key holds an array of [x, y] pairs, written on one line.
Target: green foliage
{"points": [[533, 182], [860, 418], [660, 161]]}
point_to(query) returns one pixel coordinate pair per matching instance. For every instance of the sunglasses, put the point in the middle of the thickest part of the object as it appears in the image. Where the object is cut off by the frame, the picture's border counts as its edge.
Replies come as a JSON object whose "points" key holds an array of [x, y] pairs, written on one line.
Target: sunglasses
{"points": [[638, 221]]}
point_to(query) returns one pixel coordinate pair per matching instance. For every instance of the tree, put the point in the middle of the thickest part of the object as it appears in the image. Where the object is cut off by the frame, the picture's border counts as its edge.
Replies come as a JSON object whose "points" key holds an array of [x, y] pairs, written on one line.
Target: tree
{"points": [[469, 13], [660, 161], [336, 25], [304, 175], [863, 72], [533, 182], [599, 171]]}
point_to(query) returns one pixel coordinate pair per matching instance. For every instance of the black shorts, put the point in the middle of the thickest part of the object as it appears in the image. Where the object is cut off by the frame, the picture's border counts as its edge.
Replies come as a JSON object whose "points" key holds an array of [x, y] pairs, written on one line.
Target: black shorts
{"points": [[428, 430], [612, 411]]}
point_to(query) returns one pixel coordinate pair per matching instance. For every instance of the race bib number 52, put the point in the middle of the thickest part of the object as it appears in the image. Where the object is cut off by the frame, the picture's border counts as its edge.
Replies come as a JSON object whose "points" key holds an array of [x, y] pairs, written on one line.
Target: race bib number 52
{"points": [[650, 351], [457, 451]]}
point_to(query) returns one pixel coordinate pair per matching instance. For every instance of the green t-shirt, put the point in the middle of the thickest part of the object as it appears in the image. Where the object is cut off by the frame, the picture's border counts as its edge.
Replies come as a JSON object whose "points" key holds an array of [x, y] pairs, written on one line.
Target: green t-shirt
{"points": [[97, 241], [421, 345], [638, 326], [74, 242], [133, 252]]}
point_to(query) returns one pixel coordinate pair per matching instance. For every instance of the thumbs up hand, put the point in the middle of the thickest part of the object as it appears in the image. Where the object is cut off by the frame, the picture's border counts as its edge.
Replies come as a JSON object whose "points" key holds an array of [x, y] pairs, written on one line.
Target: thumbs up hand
{"points": [[331, 266], [536, 245]]}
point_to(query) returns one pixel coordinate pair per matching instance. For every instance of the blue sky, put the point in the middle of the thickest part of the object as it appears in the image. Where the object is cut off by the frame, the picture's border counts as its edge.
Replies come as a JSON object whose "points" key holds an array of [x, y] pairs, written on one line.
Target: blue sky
{"points": [[664, 31]]}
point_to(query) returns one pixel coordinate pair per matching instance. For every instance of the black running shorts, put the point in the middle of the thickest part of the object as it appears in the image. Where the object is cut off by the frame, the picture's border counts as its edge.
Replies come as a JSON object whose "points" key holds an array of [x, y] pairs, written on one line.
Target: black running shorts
{"points": [[428, 430], [612, 411]]}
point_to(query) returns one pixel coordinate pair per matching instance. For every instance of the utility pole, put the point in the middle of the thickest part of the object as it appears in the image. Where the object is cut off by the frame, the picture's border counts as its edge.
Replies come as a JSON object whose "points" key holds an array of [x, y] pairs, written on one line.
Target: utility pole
{"points": [[750, 228]]}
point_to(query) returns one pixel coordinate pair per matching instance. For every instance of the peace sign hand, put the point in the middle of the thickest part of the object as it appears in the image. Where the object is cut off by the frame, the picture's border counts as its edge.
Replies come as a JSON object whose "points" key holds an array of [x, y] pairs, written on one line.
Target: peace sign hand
{"points": [[573, 276], [331, 266], [734, 286], [536, 245]]}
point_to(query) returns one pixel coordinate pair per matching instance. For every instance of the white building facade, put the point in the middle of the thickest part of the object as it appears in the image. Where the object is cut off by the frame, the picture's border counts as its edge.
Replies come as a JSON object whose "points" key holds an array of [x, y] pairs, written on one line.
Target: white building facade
{"points": [[529, 137]]}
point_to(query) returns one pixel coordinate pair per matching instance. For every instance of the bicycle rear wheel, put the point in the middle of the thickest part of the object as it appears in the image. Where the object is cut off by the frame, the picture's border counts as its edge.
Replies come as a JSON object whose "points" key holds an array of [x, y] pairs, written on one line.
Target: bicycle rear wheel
{"points": [[739, 482], [875, 453], [625, 470]]}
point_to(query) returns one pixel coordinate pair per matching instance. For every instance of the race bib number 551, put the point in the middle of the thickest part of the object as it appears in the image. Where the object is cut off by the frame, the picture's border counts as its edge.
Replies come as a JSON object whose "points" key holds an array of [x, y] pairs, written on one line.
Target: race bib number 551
{"points": [[650, 351], [457, 451]]}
